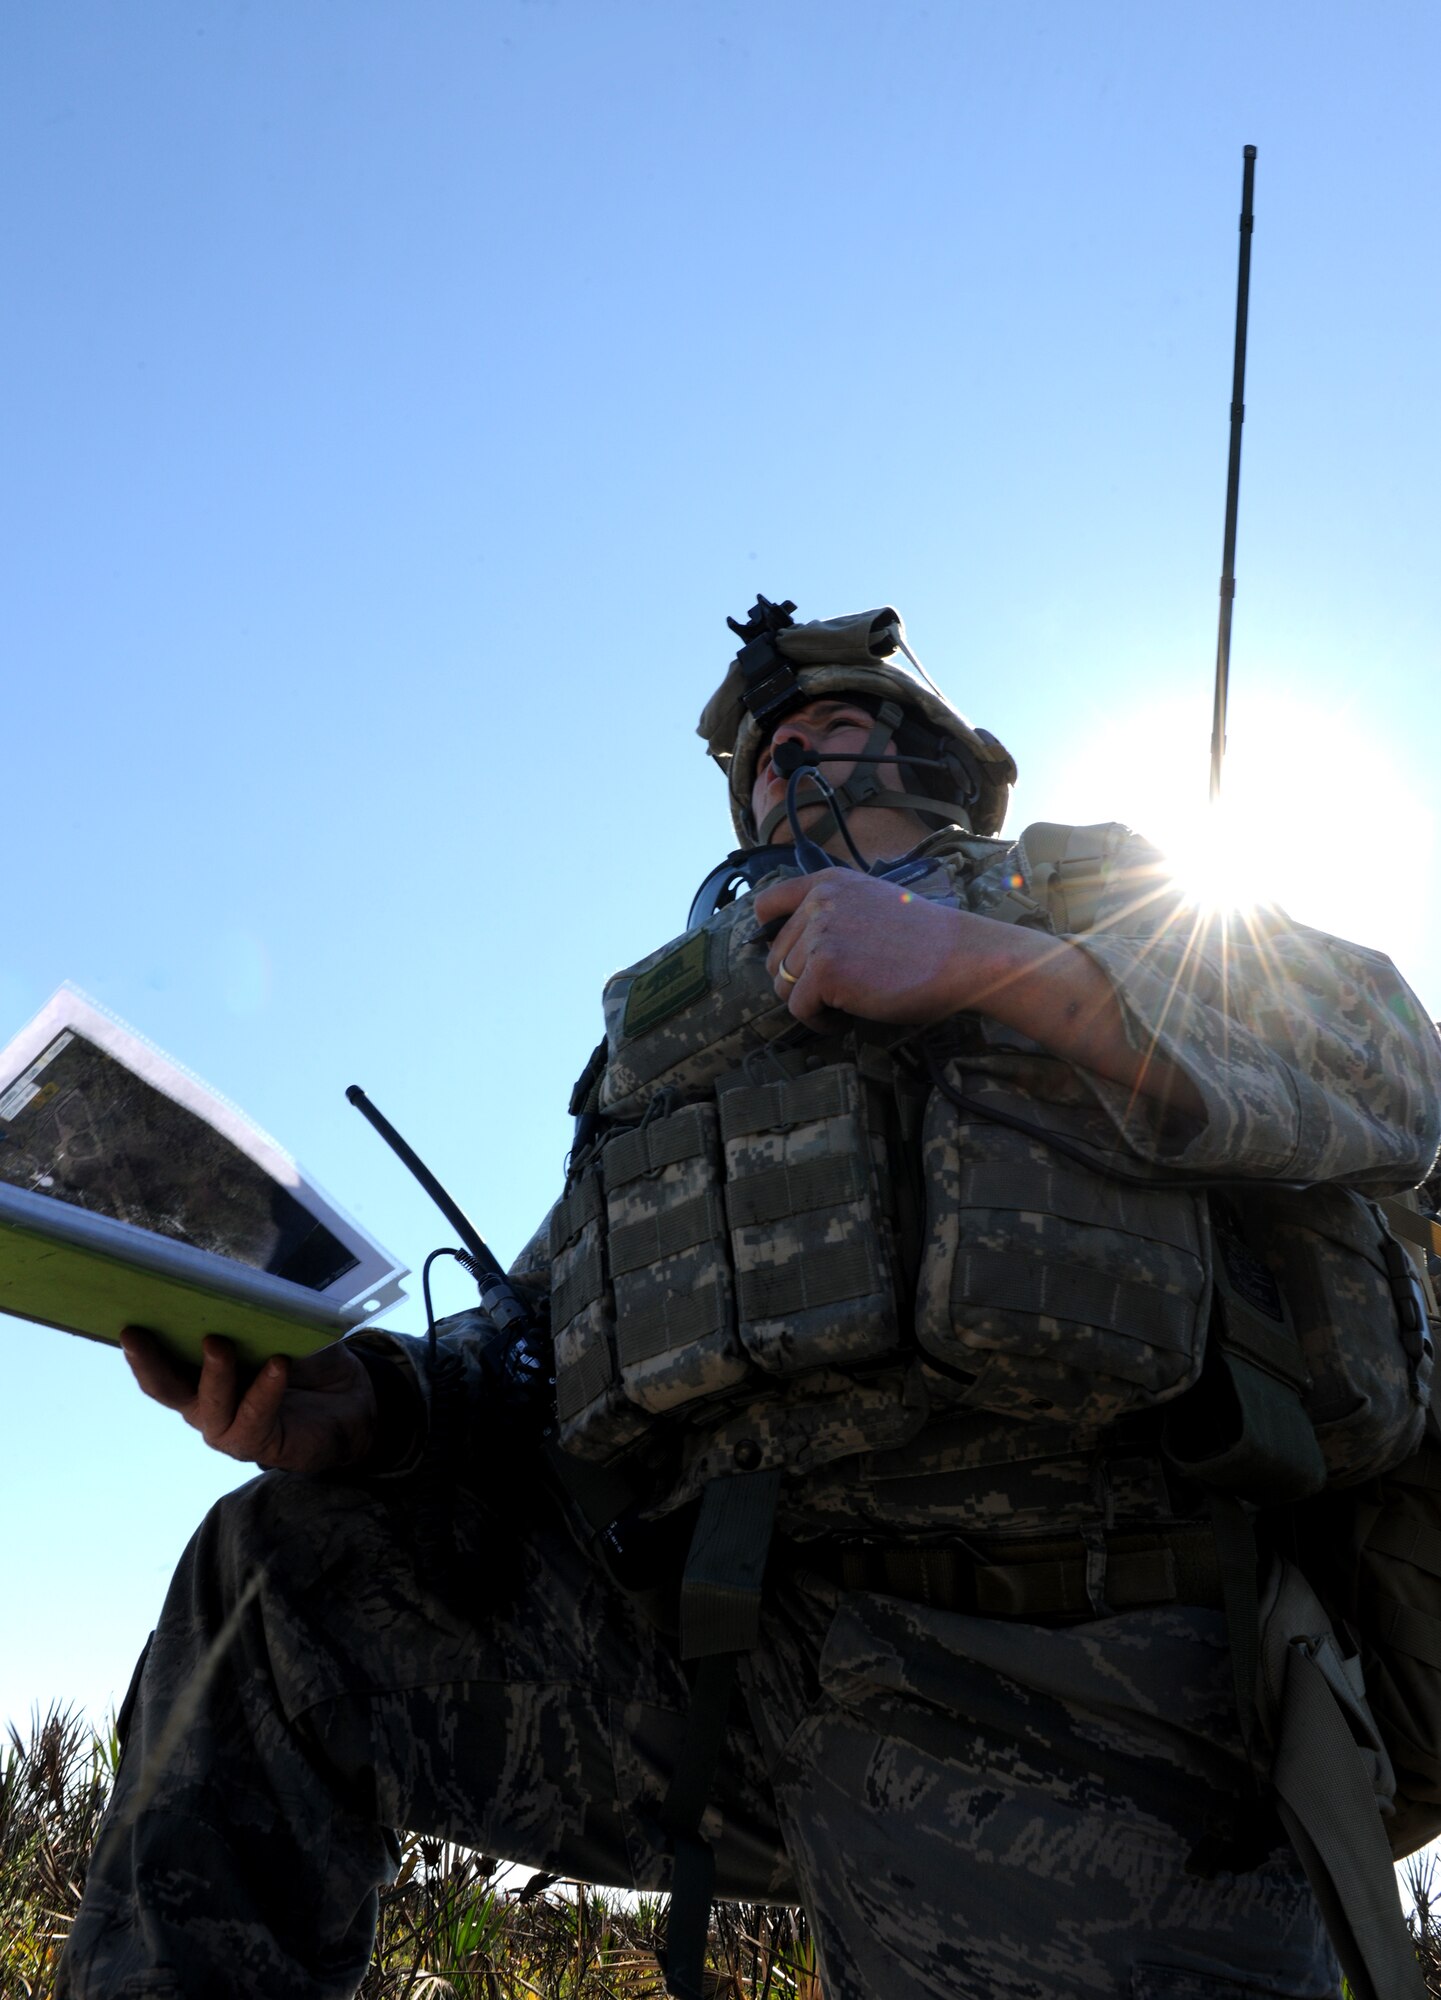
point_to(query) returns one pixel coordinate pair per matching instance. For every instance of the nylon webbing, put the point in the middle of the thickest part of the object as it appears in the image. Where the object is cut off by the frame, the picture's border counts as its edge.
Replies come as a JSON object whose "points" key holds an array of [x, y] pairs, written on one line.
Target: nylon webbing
{"points": [[585, 1377], [1072, 1291], [777, 1192], [679, 1226], [1248, 1435], [720, 1601], [774, 1107], [1072, 1197], [1270, 1347], [684, 1135], [1045, 1580], [584, 1203], [1062, 1589], [643, 1331], [579, 1287], [692, 1887], [719, 1619], [847, 1271]]}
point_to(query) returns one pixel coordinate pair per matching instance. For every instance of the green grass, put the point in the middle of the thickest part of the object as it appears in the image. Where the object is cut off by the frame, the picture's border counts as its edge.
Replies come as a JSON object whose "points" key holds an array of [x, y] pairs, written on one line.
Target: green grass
{"points": [[53, 1790], [450, 1928]]}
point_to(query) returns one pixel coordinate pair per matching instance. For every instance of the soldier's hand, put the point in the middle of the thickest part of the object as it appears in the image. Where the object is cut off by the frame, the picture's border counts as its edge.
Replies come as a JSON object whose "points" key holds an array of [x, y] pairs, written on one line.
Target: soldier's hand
{"points": [[313, 1415], [858, 945]]}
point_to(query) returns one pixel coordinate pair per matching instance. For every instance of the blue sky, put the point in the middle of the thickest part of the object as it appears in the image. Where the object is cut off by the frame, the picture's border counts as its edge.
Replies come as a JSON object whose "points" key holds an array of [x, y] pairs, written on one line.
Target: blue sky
{"points": [[398, 399]]}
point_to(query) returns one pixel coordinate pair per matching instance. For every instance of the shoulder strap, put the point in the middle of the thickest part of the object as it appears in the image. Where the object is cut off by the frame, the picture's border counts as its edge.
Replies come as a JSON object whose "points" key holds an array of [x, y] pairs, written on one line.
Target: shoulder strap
{"points": [[1067, 868], [720, 1609]]}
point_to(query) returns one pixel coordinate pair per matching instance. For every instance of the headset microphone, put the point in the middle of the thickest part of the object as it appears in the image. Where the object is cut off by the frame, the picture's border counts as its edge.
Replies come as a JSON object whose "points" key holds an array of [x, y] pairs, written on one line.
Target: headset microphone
{"points": [[792, 756]]}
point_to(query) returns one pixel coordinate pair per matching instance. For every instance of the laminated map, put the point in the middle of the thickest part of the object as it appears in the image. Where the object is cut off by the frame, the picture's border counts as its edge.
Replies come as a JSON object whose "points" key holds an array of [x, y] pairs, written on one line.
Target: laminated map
{"points": [[131, 1193]]}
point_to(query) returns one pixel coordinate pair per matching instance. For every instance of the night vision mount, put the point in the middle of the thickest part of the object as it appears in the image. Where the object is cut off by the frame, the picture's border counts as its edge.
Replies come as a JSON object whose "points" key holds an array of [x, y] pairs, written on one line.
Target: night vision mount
{"points": [[770, 684]]}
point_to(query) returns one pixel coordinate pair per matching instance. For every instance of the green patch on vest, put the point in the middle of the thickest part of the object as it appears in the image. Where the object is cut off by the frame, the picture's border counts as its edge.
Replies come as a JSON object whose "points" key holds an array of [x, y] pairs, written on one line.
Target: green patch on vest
{"points": [[672, 983]]}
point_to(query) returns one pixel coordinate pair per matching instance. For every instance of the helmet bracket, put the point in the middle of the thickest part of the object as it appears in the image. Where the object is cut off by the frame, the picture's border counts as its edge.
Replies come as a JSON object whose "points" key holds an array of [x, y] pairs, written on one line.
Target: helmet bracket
{"points": [[770, 683]]}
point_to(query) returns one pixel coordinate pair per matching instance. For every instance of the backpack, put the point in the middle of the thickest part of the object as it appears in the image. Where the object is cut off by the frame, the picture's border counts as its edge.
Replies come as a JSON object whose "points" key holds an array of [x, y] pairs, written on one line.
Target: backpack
{"points": [[1338, 1645], [1374, 1550], [1315, 1433]]}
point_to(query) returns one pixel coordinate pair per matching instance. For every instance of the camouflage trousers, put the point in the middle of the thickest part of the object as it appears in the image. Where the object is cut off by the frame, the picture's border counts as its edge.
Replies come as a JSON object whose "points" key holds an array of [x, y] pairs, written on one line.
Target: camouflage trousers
{"points": [[967, 1808]]}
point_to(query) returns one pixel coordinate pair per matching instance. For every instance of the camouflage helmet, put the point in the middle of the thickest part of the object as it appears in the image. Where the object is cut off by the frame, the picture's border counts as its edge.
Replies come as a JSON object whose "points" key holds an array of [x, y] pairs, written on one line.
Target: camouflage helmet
{"points": [[782, 665]]}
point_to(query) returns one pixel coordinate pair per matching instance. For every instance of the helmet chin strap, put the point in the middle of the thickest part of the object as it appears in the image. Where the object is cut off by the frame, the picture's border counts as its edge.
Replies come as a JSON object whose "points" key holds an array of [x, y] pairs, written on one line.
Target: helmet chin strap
{"points": [[863, 787]]}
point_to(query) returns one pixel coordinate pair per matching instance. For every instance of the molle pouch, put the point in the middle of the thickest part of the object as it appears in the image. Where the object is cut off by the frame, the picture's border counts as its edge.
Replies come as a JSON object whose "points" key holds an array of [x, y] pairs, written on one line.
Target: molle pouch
{"points": [[1049, 1288], [596, 1418], [669, 1264], [809, 1234], [689, 1012], [1360, 1321], [1244, 1429]]}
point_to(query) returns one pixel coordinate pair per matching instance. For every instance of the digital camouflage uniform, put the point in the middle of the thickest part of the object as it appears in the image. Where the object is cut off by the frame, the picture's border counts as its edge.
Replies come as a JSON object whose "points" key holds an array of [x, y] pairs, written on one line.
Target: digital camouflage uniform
{"points": [[974, 1806]]}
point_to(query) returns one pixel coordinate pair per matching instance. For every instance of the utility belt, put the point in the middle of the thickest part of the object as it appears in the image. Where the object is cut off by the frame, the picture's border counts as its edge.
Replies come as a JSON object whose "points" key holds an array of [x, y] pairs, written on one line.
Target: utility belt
{"points": [[1052, 1581]]}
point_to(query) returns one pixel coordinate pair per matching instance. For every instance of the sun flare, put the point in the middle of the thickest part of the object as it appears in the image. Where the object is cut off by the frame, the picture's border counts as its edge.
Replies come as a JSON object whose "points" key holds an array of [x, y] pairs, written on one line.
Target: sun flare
{"points": [[1316, 812]]}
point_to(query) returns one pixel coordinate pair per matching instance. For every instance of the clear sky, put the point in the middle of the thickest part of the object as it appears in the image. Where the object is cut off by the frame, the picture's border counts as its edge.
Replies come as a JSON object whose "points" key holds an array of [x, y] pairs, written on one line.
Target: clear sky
{"points": [[397, 399]]}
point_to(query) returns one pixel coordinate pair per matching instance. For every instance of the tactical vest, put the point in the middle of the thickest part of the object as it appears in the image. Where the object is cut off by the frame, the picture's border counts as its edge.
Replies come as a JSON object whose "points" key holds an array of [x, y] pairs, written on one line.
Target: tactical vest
{"points": [[791, 1248], [804, 1243]]}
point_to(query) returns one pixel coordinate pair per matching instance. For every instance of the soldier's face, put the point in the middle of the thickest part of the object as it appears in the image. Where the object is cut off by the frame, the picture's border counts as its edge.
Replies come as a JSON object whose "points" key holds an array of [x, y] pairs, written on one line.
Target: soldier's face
{"points": [[835, 727]]}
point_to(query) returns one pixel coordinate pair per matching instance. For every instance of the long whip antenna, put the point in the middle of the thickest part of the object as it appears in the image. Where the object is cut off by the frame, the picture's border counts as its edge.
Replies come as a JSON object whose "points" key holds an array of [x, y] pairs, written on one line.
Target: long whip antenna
{"points": [[1233, 480]]}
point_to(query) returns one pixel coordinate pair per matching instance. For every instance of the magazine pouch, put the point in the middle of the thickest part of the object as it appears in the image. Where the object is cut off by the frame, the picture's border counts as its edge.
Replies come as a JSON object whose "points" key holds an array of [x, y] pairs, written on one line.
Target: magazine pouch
{"points": [[595, 1418], [674, 1299], [1052, 1289], [689, 1012], [807, 1221], [1360, 1321]]}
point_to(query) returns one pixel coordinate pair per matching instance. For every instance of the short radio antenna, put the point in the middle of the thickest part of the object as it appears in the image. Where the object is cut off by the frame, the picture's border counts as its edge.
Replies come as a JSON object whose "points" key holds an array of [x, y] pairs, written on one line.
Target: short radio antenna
{"points": [[1233, 480], [454, 1214]]}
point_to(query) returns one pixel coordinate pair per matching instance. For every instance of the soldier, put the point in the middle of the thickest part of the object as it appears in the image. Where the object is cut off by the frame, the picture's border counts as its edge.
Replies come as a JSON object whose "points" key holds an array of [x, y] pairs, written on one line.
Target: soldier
{"points": [[877, 1272]]}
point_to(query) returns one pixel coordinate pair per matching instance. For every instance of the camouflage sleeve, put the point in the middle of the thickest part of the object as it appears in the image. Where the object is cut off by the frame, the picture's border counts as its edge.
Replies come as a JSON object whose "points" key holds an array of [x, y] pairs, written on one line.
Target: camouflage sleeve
{"points": [[399, 1372], [398, 1367], [397, 1377], [1313, 1058], [531, 1269]]}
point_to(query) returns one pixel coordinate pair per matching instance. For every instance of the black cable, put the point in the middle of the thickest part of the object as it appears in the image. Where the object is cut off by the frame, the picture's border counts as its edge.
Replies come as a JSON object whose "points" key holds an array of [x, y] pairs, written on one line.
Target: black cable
{"points": [[783, 761], [524, 1370], [813, 857], [468, 1263], [794, 760]]}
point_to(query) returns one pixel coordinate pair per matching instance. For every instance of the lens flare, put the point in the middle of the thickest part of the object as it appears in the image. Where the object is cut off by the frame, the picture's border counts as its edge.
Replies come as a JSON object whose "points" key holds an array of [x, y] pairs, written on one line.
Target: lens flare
{"points": [[1213, 853], [1316, 812]]}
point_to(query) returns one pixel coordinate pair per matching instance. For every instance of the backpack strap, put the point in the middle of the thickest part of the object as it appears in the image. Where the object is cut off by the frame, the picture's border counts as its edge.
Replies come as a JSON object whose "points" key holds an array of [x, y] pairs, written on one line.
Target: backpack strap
{"points": [[720, 1608], [1310, 1738], [1068, 868]]}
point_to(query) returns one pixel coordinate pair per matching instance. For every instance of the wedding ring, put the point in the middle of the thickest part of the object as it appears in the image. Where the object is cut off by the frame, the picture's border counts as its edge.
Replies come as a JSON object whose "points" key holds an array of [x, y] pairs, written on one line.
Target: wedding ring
{"points": [[785, 972]]}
